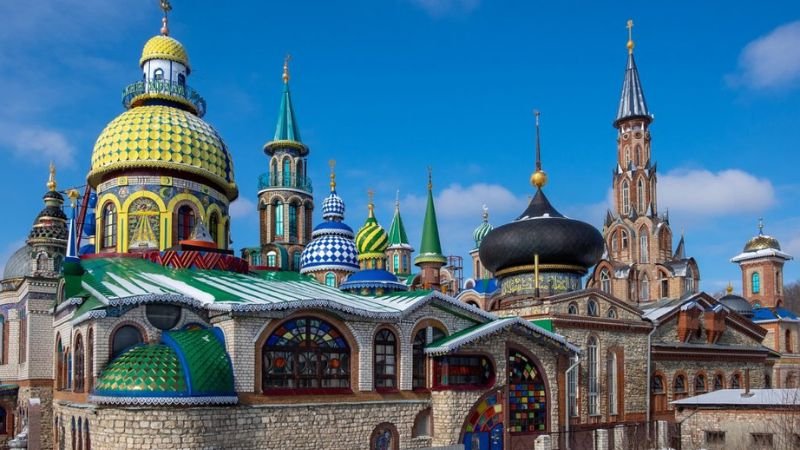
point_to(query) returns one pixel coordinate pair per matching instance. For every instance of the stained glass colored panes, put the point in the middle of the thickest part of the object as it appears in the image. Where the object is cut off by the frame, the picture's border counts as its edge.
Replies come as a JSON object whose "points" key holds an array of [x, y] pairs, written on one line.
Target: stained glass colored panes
{"points": [[385, 368], [485, 415], [527, 400], [462, 371], [306, 353]]}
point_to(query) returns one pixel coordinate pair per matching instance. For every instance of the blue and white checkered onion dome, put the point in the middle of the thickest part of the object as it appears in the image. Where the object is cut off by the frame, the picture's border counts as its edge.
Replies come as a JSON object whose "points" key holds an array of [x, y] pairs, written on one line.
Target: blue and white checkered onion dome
{"points": [[333, 207], [329, 252]]}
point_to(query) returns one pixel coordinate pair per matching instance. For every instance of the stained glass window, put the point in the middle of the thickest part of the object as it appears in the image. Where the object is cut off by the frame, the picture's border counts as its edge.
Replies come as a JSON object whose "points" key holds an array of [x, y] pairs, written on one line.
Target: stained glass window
{"points": [[418, 360], [756, 283], [485, 416], [384, 437], [385, 368], [527, 401], [462, 370], [109, 226], [306, 353]]}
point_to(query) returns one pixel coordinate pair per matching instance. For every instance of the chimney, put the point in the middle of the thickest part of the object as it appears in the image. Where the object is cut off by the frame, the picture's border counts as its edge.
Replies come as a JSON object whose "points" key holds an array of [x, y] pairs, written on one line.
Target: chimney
{"points": [[747, 392]]}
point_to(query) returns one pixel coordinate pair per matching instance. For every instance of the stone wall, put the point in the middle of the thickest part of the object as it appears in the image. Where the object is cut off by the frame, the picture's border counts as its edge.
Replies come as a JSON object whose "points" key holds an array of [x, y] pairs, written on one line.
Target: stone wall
{"points": [[738, 425], [45, 395], [333, 426]]}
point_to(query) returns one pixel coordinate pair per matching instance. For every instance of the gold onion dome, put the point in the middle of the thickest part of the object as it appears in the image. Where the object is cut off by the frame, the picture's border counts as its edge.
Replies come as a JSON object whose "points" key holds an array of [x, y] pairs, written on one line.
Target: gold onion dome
{"points": [[163, 137], [371, 240], [762, 242], [164, 47]]}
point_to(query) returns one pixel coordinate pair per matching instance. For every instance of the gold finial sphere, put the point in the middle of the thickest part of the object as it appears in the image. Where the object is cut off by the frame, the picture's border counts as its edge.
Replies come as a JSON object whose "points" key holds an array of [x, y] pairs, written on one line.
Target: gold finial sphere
{"points": [[729, 289], [629, 26], [51, 181], [332, 164], [539, 179], [73, 195]]}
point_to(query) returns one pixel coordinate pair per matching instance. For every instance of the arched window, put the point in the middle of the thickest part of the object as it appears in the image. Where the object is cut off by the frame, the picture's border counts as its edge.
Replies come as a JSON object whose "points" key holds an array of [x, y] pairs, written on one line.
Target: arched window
{"points": [[605, 281], [736, 381], [527, 395], [640, 195], [643, 249], [422, 424], [109, 226], [572, 309], [80, 433], [679, 386], [664, 285], [788, 342], [124, 338], [287, 172], [689, 280], [767, 381], [418, 360], [396, 263], [626, 198], [659, 397], [186, 218], [90, 366], [273, 172], [612, 313], [658, 384], [306, 353], [592, 309], [293, 222], [613, 382], [384, 437], [627, 156], [158, 74], [644, 295], [330, 279], [299, 175], [699, 384], [719, 381], [638, 155], [755, 283], [68, 354], [182, 79], [296, 260], [272, 259], [80, 368], [592, 370], [213, 227], [3, 425], [87, 438], [614, 243], [279, 220], [60, 360], [3, 340], [385, 367], [624, 238]]}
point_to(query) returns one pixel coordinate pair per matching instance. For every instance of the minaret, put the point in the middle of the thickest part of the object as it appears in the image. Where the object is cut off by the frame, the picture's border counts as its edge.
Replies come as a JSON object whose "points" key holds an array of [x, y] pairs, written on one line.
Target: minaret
{"points": [[478, 271], [285, 199], [761, 262], [49, 234], [399, 251], [430, 259]]}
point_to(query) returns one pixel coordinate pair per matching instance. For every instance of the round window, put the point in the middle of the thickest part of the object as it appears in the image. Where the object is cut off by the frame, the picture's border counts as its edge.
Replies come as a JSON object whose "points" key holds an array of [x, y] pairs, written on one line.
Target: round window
{"points": [[163, 317]]}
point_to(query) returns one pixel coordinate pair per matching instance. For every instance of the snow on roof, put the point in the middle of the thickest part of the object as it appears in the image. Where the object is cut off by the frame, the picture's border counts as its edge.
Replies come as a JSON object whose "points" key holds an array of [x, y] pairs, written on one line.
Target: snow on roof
{"points": [[734, 397]]}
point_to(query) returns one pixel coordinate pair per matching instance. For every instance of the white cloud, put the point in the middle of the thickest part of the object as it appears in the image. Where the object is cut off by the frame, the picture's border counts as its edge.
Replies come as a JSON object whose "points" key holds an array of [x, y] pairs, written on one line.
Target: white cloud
{"points": [[464, 202], [705, 193], [771, 61], [242, 208], [38, 145], [438, 8]]}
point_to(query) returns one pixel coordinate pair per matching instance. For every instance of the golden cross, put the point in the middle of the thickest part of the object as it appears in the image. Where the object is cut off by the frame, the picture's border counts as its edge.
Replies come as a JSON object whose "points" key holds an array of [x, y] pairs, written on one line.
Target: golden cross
{"points": [[286, 67], [760, 225], [165, 6], [629, 26]]}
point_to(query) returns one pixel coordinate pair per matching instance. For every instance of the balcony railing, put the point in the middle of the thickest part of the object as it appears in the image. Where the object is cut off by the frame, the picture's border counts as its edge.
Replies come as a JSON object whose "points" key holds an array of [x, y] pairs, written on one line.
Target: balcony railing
{"points": [[266, 181], [180, 91]]}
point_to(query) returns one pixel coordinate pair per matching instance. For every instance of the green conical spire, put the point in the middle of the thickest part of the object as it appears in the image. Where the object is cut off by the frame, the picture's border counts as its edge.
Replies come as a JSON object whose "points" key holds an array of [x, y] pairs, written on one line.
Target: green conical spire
{"points": [[287, 133], [430, 250], [397, 232]]}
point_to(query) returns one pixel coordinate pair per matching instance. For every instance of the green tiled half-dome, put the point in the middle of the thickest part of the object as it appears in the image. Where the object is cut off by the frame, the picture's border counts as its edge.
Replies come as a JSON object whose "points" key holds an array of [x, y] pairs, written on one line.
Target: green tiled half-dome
{"points": [[144, 369]]}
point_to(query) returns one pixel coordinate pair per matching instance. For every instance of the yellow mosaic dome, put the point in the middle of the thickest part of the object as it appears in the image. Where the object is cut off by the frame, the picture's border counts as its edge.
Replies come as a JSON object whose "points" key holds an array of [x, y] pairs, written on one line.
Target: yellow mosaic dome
{"points": [[164, 47], [163, 137]]}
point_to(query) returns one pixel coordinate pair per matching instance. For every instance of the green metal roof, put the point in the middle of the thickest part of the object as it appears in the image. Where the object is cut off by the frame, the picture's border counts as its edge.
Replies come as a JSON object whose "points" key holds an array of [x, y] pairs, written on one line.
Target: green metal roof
{"points": [[143, 369], [430, 250], [547, 324], [397, 232], [287, 129], [205, 360]]}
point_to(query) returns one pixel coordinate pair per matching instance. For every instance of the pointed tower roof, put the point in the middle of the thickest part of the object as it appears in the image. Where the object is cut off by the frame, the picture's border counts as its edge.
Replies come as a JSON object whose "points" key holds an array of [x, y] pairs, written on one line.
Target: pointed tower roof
{"points": [[430, 250], [632, 103], [287, 133], [680, 250], [397, 231]]}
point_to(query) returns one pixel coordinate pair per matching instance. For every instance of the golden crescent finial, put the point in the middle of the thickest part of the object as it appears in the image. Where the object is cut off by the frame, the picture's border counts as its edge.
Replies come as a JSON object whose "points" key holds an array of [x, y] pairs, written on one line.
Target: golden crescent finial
{"points": [[286, 67], [51, 181], [332, 164], [629, 26]]}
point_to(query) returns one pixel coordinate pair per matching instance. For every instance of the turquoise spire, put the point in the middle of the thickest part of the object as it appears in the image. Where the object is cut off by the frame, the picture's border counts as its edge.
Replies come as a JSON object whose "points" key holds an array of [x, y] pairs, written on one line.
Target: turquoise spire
{"points": [[287, 133], [430, 250], [397, 232]]}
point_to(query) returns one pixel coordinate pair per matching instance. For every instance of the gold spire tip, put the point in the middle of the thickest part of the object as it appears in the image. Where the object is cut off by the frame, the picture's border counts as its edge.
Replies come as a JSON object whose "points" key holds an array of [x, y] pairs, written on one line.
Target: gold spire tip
{"points": [[332, 164], [286, 67], [166, 7], [51, 181], [538, 177], [371, 204], [629, 26], [729, 289]]}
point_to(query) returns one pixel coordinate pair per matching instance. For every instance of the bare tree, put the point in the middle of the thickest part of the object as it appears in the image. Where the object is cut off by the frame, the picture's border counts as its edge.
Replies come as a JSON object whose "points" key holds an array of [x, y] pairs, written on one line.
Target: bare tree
{"points": [[791, 296]]}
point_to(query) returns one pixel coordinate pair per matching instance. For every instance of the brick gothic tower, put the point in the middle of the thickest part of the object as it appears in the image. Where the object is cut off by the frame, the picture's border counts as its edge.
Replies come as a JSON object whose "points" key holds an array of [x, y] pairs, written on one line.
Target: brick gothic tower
{"points": [[639, 264], [762, 263], [285, 199]]}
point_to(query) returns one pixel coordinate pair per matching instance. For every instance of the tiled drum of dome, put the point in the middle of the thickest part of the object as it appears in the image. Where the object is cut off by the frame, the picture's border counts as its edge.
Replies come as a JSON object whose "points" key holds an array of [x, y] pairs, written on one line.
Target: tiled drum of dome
{"points": [[142, 370], [526, 396]]}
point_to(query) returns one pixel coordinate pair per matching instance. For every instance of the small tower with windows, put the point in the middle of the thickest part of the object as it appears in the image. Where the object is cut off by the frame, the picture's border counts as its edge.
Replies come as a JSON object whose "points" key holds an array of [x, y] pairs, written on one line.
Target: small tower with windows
{"points": [[398, 253], [285, 195], [762, 263], [430, 259]]}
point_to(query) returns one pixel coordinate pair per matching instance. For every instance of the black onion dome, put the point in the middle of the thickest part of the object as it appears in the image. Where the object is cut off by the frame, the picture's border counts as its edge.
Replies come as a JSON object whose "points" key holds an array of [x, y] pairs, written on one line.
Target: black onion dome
{"points": [[738, 304], [542, 230]]}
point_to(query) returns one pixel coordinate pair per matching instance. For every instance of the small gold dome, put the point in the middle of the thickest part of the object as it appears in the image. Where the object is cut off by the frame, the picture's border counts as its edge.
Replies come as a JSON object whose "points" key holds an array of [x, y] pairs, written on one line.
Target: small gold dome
{"points": [[762, 242], [539, 179], [164, 47], [163, 137]]}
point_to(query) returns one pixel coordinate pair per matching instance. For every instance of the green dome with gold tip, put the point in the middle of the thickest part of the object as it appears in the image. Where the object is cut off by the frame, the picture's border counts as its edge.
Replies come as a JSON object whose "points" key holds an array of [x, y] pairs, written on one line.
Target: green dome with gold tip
{"points": [[371, 240], [189, 367]]}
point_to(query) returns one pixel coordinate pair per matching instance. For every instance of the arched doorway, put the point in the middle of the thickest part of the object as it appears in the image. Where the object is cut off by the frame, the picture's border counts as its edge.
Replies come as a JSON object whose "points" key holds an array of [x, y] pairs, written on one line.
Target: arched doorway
{"points": [[483, 429]]}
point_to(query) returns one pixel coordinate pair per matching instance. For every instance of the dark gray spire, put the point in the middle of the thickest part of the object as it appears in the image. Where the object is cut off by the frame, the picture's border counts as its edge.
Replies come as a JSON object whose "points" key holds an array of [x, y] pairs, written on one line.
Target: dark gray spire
{"points": [[632, 103]]}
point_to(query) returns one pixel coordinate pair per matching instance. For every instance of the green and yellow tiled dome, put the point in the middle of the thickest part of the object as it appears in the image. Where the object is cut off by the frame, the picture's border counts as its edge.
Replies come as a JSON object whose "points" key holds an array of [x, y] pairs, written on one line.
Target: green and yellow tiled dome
{"points": [[371, 239], [164, 47], [163, 137]]}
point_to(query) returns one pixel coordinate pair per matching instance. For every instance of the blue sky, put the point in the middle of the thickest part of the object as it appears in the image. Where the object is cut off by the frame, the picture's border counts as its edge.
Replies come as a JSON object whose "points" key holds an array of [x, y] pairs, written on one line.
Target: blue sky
{"points": [[390, 87]]}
